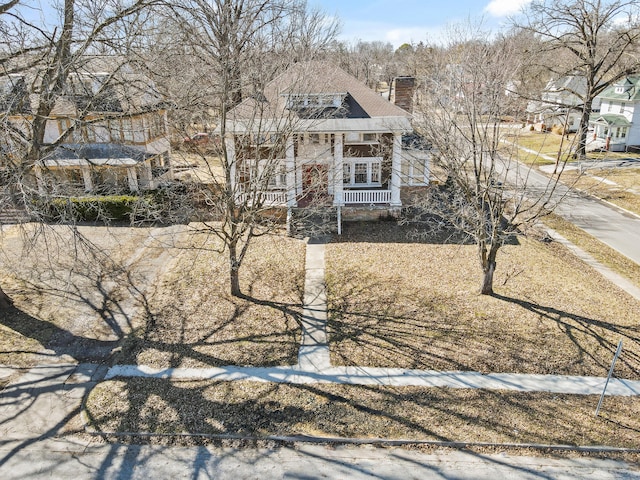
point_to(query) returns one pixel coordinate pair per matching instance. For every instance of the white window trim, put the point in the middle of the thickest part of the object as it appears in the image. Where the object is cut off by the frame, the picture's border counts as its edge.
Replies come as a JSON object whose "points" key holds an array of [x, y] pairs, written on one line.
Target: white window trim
{"points": [[279, 173], [369, 161], [418, 180]]}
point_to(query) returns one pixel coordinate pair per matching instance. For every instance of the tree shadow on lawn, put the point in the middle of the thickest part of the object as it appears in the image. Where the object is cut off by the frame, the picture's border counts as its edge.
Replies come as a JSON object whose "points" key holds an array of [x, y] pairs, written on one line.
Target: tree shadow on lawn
{"points": [[92, 306], [220, 330], [55, 341], [82, 310], [571, 324], [255, 410], [212, 345], [386, 325]]}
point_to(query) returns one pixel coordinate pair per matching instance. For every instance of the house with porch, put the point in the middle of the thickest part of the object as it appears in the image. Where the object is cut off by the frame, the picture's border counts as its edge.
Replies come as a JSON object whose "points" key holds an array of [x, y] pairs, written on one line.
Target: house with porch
{"points": [[322, 137], [560, 103], [106, 133], [617, 126]]}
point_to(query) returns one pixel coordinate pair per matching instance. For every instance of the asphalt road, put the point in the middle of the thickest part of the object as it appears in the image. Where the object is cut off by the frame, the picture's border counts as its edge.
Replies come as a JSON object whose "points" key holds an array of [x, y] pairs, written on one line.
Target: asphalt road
{"points": [[618, 229]]}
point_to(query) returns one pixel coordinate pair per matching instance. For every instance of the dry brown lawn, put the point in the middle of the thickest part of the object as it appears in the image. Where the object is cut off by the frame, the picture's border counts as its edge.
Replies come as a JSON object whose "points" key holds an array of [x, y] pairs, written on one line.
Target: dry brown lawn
{"points": [[81, 295], [72, 291], [414, 305], [594, 247], [260, 409], [195, 322], [550, 143], [203, 169]]}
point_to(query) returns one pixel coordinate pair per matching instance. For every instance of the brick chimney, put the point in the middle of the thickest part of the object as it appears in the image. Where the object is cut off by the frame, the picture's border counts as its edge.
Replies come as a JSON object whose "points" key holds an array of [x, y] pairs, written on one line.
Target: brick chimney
{"points": [[403, 92]]}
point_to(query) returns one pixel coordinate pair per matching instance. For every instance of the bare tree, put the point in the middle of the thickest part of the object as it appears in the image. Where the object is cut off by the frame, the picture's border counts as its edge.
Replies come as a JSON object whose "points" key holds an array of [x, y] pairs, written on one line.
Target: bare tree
{"points": [[596, 39], [243, 45], [484, 194], [36, 64], [369, 62]]}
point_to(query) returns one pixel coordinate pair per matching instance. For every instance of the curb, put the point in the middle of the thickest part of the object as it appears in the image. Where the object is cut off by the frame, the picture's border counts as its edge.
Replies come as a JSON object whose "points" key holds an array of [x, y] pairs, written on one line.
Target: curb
{"points": [[367, 441]]}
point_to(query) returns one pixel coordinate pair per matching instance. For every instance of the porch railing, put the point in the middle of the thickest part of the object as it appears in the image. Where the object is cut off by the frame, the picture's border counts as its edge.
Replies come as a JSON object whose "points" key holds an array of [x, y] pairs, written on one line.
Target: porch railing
{"points": [[367, 196], [268, 197]]}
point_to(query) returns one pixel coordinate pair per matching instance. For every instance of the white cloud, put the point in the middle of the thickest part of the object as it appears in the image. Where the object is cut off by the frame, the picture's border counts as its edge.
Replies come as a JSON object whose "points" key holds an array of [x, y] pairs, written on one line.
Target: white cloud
{"points": [[502, 8]]}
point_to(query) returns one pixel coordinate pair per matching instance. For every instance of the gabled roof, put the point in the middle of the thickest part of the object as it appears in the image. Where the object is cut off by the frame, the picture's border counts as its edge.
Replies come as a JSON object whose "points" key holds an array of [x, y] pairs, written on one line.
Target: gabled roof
{"points": [[315, 78], [630, 86], [103, 84], [611, 120]]}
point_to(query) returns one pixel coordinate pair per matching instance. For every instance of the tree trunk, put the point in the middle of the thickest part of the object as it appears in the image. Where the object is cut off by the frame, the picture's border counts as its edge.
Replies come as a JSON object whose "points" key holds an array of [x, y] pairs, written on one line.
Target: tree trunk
{"points": [[5, 300], [581, 151], [234, 271], [487, 280], [234, 279]]}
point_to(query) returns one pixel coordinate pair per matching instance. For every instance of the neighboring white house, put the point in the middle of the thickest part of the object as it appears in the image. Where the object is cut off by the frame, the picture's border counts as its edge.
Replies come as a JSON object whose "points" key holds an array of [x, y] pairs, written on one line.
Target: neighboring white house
{"points": [[561, 103], [340, 142], [617, 125]]}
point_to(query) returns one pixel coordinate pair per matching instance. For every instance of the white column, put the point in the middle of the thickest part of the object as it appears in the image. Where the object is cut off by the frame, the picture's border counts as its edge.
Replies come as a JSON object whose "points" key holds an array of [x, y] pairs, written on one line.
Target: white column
{"points": [[132, 176], [338, 161], [230, 145], [396, 159], [86, 177], [290, 166]]}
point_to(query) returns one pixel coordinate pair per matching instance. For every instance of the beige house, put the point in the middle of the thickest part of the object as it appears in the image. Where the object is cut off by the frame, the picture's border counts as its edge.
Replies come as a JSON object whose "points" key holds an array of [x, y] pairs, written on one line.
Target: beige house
{"points": [[107, 132], [321, 136]]}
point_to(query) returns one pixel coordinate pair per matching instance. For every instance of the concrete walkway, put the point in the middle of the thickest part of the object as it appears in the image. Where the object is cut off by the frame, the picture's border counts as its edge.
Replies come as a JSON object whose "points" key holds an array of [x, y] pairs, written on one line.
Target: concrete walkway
{"points": [[37, 409], [314, 350], [314, 361]]}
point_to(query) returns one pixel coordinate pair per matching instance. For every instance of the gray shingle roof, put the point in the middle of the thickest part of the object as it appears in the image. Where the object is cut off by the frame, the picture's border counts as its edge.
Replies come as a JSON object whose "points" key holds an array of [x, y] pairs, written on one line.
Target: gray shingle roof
{"points": [[317, 78]]}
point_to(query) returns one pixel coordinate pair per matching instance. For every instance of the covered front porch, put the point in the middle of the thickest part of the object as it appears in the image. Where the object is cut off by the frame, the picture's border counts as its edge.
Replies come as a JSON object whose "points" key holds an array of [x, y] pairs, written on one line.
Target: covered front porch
{"points": [[322, 174], [103, 168], [612, 129]]}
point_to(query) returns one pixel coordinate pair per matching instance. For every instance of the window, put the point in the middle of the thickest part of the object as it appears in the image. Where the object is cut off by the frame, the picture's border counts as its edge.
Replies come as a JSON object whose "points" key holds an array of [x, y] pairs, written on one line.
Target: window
{"points": [[362, 172], [315, 100], [91, 132], [352, 137], [272, 173], [116, 130], [279, 177], [127, 129], [346, 173], [357, 137], [375, 173], [314, 138], [621, 132]]}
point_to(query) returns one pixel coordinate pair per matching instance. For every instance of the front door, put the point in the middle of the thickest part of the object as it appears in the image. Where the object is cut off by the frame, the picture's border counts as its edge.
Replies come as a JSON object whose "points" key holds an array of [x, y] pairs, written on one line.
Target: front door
{"points": [[315, 183]]}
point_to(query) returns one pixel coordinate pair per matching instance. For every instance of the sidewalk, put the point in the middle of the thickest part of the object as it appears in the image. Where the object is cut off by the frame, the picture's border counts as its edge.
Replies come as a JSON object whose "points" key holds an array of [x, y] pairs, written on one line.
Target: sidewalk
{"points": [[37, 441], [314, 359]]}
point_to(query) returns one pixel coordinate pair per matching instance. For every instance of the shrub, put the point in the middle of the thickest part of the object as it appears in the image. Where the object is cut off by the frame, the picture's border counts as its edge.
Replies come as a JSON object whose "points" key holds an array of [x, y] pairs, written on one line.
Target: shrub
{"points": [[93, 208]]}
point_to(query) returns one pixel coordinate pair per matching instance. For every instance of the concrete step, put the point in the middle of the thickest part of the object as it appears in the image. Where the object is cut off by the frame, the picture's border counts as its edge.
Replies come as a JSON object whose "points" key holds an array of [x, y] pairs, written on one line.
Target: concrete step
{"points": [[13, 215], [313, 223]]}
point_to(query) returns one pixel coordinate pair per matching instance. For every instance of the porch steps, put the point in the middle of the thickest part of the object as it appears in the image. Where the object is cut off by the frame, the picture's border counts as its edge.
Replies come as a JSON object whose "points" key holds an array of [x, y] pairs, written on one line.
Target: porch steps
{"points": [[10, 214], [313, 222]]}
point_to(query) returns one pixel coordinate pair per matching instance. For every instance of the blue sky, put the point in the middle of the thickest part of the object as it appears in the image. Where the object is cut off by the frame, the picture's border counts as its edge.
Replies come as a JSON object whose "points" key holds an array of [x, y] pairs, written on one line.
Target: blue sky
{"points": [[400, 21]]}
